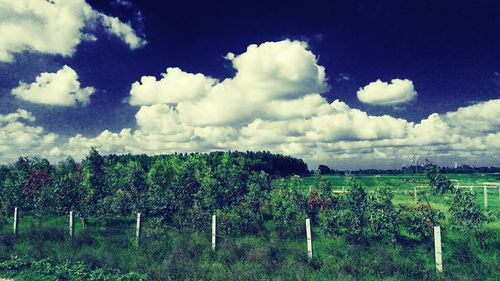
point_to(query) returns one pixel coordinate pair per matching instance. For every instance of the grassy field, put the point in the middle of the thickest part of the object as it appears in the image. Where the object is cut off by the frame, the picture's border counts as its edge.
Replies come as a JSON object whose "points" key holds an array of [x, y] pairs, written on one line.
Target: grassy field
{"points": [[170, 254], [402, 186]]}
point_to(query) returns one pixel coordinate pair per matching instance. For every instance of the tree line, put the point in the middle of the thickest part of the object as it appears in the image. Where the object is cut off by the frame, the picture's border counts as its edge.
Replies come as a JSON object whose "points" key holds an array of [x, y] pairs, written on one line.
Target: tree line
{"points": [[242, 189], [174, 188], [411, 169]]}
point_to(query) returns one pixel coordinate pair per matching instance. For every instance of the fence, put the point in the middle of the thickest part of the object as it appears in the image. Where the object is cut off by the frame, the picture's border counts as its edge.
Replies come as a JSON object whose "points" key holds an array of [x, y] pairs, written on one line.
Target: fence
{"points": [[137, 235], [135, 232]]}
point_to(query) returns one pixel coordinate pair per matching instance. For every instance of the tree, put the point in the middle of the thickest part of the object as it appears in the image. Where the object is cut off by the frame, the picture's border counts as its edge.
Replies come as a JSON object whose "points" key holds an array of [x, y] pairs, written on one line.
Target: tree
{"points": [[466, 215], [67, 191], [323, 169], [355, 215], [382, 216], [438, 181], [288, 204], [92, 184]]}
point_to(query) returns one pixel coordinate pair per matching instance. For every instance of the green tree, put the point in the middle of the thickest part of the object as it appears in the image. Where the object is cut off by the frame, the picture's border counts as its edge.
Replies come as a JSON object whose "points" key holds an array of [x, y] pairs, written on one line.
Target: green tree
{"points": [[465, 214], [354, 215], [92, 185]]}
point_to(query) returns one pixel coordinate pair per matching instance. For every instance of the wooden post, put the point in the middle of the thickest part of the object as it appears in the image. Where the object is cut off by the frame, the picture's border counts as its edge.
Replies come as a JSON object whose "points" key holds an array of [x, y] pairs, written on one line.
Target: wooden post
{"points": [[71, 224], [309, 240], [214, 231], [471, 189], [415, 194], [16, 221], [138, 228], [437, 249], [485, 192]]}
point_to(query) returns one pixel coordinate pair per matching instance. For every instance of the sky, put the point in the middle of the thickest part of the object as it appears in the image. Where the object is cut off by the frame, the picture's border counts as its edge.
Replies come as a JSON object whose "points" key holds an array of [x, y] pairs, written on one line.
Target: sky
{"points": [[349, 84]]}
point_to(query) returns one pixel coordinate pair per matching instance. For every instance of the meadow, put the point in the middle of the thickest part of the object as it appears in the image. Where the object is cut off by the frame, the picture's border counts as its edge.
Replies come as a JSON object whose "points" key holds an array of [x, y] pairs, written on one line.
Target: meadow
{"points": [[106, 249]]}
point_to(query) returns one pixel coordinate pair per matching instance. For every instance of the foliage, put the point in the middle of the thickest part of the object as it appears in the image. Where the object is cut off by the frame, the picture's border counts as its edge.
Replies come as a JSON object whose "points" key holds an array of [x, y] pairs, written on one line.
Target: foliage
{"points": [[48, 270], [354, 214], [438, 181], [288, 204], [383, 217], [420, 220], [92, 184], [465, 214]]}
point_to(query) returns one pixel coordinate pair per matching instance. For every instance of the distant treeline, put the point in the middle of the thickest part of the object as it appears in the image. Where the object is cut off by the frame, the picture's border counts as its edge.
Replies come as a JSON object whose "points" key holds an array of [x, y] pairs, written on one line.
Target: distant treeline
{"points": [[464, 169], [275, 165]]}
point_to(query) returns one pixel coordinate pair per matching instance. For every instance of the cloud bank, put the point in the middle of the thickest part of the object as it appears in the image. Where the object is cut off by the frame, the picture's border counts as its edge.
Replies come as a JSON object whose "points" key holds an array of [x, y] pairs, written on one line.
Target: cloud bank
{"points": [[55, 27], [274, 103], [382, 93], [61, 88]]}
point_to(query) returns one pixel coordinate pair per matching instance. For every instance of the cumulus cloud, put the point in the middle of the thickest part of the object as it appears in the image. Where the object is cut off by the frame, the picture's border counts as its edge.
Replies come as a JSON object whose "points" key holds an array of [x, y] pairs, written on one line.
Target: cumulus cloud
{"points": [[61, 88], [55, 27], [174, 86], [273, 73], [382, 93], [274, 102], [17, 138]]}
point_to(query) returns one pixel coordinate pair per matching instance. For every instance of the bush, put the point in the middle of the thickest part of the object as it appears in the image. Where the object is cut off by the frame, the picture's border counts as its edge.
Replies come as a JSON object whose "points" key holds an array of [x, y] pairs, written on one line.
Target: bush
{"points": [[419, 220], [465, 214], [288, 204], [382, 216]]}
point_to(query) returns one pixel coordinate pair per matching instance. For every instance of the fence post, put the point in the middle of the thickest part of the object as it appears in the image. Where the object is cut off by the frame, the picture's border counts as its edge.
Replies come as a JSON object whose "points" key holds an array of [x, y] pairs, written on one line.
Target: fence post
{"points": [[138, 228], [214, 229], [437, 249], [309, 239], [498, 192], [485, 192], [16, 221], [71, 224], [415, 194]]}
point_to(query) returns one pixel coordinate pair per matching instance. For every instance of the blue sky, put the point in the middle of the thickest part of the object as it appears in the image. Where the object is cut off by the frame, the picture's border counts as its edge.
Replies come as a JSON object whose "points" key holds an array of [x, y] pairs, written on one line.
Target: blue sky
{"points": [[346, 83]]}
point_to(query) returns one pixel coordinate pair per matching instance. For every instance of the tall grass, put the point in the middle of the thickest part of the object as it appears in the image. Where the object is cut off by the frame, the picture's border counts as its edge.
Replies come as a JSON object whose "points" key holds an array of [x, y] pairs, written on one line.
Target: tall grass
{"points": [[169, 254]]}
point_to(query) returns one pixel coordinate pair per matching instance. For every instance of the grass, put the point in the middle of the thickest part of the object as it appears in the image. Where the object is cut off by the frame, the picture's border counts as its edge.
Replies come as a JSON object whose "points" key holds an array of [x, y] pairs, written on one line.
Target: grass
{"points": [[169, 254], [402, 186]]}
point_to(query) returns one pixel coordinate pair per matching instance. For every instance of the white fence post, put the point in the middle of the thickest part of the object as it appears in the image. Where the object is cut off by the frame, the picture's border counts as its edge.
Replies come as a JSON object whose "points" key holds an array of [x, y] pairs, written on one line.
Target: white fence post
{"points": [[214, 231], [415, 194], [16, 221], [138, 228], [437, 249], [309, 239], [71, 224], [485, 192]]}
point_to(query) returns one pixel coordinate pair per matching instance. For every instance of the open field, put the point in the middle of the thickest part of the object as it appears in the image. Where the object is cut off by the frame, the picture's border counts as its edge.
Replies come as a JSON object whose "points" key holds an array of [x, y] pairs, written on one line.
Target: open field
{"points": [[402, 186], [167, 253]]}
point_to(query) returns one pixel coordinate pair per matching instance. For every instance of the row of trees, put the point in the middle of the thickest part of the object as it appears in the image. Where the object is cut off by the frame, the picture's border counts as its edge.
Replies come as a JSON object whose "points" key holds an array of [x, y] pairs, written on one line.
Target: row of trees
{"points": [[411, 169], [184, 190], [179, 188]]}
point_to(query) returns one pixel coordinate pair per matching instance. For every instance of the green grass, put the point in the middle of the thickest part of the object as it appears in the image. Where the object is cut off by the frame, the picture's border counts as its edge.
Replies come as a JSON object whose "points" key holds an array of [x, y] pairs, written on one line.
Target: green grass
{"points": [[168, 254], [402, 186]]}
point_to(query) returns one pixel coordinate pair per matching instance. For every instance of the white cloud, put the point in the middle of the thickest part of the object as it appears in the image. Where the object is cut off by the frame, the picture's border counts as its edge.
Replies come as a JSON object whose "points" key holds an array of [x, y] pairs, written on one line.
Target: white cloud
{"points": [[124, 31], [279, 108], [61, 88], [382, 93], [17, 138], [54, 27], [174, 86]]}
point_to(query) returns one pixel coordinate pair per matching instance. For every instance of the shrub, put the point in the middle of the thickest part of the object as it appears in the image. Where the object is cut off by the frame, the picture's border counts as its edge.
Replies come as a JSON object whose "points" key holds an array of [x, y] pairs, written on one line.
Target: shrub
{"points": [[420, 220], [465, 214], [382, 216]]}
